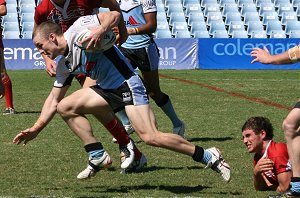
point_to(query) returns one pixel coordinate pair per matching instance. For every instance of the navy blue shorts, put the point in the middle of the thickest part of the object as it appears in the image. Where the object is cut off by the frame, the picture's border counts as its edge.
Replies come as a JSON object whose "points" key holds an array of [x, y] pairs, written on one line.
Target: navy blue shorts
{"points": [[131, 92], [145, 59]]}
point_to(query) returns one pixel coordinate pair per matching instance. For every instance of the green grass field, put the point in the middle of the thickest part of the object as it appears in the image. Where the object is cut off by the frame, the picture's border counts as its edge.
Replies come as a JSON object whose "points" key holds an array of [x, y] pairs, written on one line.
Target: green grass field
{"points": [[213, 104]]}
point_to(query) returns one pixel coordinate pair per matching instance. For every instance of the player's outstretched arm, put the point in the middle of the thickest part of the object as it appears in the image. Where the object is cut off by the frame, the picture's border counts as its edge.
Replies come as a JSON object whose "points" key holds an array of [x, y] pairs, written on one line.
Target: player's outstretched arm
{"points": [[26, 135], [48, 111], [263, 56]]}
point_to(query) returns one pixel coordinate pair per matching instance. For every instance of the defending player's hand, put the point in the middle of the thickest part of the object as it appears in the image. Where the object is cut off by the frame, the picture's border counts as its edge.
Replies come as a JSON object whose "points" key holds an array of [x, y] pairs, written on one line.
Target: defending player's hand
{"points": [[25, 136], [261, 55]]}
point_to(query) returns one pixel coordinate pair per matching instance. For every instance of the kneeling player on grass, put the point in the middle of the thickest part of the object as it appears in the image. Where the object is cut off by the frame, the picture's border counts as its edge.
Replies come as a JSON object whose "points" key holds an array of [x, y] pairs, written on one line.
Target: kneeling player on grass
{"points": [[98, 158], [118, 86]]}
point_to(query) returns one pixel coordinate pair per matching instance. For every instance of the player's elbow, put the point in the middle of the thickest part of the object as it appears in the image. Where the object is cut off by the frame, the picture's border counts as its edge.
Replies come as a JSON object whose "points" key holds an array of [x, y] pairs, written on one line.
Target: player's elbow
{"points": [[117, 16], [282, 189]]}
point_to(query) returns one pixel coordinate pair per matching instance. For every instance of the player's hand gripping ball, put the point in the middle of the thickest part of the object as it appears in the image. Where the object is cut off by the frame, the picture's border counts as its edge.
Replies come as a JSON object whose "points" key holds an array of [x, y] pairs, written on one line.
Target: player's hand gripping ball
{"points": [[107, 41]]}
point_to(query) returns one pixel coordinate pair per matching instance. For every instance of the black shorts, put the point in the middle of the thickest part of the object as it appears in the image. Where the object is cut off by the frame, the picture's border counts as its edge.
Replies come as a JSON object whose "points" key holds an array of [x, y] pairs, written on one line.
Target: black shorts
{"points": [[145, 59], [131, 92]]}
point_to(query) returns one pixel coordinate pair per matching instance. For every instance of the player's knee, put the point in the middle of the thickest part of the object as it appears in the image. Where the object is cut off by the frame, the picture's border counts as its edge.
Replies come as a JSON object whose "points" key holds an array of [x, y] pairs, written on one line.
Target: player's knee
{"points": [[63, 108], [150, 140], [60, 108]]}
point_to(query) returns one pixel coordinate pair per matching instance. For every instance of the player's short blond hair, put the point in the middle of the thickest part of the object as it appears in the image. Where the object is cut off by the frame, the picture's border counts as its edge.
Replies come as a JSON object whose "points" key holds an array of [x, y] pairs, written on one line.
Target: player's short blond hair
{"points": [[44, 29], [294, 54]]}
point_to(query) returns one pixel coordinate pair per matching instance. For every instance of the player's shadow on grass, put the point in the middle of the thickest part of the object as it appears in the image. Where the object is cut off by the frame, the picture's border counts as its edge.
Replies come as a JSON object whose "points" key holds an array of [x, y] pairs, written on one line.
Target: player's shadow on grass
{"points": [[156, 168], [173, 189], [199, 139], [135, 188], [207, 139], [28, 112]]}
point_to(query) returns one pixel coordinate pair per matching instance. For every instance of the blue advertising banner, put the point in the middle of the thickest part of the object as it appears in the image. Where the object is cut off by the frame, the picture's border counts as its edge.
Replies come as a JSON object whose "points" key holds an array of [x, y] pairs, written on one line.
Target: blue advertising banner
{"points": [[178, 53], [21, 54], [235, 53]]}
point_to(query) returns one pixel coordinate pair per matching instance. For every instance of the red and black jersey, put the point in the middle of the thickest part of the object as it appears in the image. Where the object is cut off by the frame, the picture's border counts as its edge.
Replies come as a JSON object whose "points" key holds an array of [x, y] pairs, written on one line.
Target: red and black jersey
{"points": [[277, 152], [65, 16]]}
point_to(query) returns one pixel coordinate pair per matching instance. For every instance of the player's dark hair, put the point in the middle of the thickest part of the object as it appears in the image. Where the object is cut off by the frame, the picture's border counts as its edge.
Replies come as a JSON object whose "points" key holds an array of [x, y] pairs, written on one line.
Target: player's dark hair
{"points": [[45, 28], [257, 124]]}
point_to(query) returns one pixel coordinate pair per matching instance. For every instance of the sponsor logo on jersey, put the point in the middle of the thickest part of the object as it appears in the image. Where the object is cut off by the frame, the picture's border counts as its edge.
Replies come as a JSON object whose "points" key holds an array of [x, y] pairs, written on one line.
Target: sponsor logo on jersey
{"points": [[85, 20], [131, 21]]}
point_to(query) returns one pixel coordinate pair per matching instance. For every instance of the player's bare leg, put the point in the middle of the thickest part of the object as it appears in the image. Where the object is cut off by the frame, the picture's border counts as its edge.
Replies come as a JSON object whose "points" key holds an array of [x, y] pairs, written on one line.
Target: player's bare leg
{"points": [[79, 124], [291, 129], [7, 85], [143, 120], [86, 101], [72, 111], [162, 100]]}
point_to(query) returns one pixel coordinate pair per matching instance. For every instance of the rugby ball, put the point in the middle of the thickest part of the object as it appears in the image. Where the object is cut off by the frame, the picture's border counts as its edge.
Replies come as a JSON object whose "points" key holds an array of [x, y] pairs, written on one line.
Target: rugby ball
{"points": [[108, 40]]}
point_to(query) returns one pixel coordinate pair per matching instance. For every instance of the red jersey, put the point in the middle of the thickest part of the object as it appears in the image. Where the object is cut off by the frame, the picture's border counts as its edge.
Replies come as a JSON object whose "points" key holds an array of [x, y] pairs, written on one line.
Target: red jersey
{"points": [[47, 10], [2, 2], [277, 152]]}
